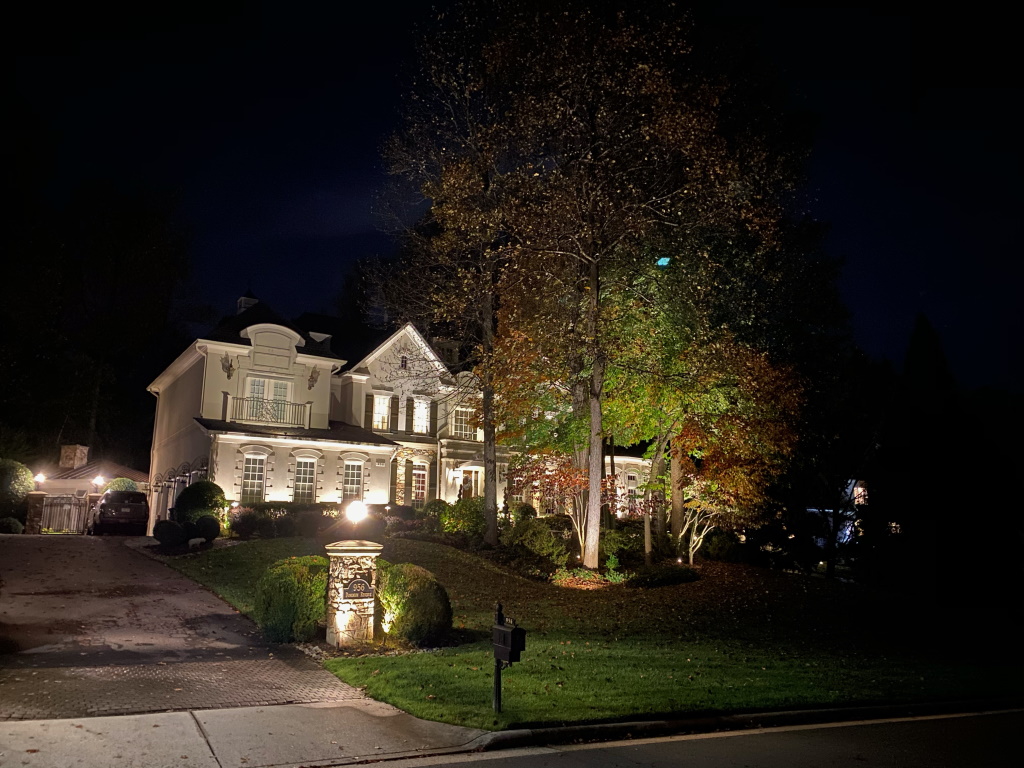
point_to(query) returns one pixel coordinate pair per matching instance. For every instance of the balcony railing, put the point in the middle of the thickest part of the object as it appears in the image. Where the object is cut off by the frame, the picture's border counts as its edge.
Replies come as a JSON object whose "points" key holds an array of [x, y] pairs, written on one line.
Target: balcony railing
{"points": [[269, 411]]}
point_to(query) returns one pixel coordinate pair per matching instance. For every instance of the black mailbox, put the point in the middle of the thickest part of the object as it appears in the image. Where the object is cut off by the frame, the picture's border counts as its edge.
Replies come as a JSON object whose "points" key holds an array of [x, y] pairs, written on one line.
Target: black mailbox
{"points": [[509, 642]]}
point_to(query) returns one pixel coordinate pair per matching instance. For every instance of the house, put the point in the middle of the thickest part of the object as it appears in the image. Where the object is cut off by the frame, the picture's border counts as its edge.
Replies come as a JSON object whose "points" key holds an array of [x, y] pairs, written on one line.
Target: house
{"points": [[76, 475], [270, 412]]}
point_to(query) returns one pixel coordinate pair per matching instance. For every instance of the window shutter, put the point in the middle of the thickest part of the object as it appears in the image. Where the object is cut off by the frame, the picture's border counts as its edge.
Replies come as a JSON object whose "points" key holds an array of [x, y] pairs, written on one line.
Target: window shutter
{"points": [[408, 414], [408, 483], [368, 415], [394, 482], [433, 417], [432, 481], [393, 421]]}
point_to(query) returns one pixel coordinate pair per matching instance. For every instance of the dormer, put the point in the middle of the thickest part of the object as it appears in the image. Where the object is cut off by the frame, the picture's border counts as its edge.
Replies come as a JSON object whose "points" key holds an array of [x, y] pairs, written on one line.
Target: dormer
{"points": [[273, 346]]}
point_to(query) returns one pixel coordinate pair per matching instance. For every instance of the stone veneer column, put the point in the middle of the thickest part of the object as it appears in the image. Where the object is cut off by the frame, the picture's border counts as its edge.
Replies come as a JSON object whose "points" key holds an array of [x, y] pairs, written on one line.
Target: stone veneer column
{"points": [[351, 591], [34, 517]]}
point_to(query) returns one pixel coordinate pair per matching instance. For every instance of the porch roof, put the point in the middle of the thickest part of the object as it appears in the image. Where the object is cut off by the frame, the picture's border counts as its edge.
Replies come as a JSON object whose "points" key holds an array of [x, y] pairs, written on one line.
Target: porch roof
{"points": [[339, 431]]}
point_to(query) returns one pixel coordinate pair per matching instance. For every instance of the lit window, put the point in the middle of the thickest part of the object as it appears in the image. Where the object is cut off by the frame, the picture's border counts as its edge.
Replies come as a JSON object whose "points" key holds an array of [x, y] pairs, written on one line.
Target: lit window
{"points": [[860, 495], [421, 417], [253, 479], [353, 487], [462, 424], [305, 477], [419, 485], [267, 401], [381, 412]]}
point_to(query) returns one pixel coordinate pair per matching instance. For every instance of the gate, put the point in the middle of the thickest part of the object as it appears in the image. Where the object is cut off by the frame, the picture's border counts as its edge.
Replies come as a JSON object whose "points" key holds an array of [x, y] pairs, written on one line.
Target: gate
{"points": [[65, 514]]}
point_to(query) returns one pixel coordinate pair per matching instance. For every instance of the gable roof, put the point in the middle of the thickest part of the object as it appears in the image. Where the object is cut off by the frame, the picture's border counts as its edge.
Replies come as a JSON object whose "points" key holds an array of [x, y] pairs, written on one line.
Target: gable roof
{"points": [[89, 470], [408, 330]]}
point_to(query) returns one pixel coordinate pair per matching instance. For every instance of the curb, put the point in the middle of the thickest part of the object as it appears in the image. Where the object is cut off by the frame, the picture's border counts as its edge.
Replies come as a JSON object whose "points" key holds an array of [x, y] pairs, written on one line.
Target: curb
{"points": [[717, 723]]}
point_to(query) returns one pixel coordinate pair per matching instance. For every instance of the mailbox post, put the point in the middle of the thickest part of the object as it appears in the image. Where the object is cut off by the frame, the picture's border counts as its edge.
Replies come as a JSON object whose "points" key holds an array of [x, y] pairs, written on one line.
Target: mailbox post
{"points": [[509, 643]]}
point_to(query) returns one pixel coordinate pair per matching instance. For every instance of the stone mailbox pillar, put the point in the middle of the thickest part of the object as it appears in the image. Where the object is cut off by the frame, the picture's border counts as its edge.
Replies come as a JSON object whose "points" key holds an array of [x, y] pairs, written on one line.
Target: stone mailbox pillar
{"points": [[351, 588], [34, 518]]}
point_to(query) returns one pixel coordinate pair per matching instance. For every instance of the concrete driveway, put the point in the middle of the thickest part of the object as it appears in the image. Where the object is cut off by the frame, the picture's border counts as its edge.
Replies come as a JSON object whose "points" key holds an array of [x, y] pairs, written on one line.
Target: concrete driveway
{"points": [[89, 626]]}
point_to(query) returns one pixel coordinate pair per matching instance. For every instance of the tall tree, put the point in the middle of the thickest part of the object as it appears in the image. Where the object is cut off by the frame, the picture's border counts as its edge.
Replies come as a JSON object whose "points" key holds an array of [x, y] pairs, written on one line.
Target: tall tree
{"points": [[567, 138]]}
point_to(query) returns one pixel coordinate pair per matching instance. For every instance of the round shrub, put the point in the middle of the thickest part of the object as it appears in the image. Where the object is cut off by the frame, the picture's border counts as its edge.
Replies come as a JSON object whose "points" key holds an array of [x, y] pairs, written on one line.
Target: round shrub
{"points": [[11, 525], [465, 516], [121, 484], [207, 527], [433, 508], [411, 604], [291, 598], [662, 575], [520, 510], [169, 533], [15, 483], [203, 497], [244, 522], [534, 535]]}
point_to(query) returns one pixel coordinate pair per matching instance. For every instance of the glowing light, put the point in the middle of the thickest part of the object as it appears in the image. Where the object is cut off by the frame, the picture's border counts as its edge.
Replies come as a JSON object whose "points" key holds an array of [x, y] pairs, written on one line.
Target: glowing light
{"points": [[40, 478], [98, 480], [679, 560], [356, 512], [234, 505], [663, 261]]}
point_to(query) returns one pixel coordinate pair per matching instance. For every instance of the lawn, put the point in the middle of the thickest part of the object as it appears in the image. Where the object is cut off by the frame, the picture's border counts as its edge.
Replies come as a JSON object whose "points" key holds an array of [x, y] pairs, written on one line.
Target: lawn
{"points": [[738, 639]]}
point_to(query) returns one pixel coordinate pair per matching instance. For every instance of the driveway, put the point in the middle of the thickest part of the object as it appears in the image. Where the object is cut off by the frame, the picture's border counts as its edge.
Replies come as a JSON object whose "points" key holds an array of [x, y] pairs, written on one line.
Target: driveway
{"points": [[89, 626]]}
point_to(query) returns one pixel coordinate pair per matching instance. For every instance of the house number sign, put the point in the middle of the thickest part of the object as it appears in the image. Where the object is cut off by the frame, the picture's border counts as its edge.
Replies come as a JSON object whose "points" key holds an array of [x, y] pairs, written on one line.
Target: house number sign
{"points": [[357, 588]]}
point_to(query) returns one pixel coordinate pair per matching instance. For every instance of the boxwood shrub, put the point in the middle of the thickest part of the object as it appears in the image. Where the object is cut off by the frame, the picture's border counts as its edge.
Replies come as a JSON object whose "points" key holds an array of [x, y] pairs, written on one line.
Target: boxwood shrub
{"points": [[203, 497], [412, 606], [11, 525], [207, 527], [291, 598], [169, 533]]}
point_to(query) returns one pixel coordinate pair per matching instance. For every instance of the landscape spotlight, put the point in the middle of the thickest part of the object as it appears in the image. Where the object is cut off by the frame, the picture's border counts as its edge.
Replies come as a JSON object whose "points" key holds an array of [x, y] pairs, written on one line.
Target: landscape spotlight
{"points": [[356, 511]]}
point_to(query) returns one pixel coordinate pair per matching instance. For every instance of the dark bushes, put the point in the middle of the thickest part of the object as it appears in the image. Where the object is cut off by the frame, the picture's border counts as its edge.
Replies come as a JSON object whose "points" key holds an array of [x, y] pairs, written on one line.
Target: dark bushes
{"points": [[662, 575], [10, 525], [169, 533]]}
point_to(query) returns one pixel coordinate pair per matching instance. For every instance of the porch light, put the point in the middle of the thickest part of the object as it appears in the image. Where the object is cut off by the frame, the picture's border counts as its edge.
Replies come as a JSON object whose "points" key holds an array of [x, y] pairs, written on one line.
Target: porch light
{"points": [[356, 511], [40, 478], [98, 480]]}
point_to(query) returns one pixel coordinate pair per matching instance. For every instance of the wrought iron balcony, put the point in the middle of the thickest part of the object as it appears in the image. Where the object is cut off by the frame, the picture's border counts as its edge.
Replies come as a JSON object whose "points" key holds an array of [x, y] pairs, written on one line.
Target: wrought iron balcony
{"points": [[263, 411]]}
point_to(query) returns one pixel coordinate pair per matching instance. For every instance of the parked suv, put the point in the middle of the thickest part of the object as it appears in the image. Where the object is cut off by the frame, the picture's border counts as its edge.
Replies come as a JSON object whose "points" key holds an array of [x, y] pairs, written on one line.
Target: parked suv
{"points": [[121, 511]]}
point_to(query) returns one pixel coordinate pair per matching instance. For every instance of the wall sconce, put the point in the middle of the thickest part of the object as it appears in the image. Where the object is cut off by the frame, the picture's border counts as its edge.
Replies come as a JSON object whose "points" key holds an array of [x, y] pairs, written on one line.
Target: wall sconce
{"points": [[314, 376], [227, 365]]}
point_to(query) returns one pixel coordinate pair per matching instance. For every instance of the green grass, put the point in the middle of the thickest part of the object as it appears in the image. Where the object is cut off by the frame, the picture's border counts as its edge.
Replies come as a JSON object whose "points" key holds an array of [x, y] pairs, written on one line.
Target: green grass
{"points": [[232, 572], [739, 639]]}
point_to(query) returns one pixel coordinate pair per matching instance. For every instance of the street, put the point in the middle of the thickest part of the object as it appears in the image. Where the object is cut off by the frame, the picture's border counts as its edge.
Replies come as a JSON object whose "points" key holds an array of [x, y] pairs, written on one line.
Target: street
{"points": [[958, 741]]}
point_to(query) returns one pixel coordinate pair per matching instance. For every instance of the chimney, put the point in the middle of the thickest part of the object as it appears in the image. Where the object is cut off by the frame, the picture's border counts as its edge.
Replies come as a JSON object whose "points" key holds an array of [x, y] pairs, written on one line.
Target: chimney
{"points": [[246, 301], [73, 456]]}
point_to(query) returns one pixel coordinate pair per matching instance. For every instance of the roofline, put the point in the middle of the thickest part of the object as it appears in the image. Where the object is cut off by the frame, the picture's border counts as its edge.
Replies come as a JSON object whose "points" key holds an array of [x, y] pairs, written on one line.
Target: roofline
{"points": [[183, 362], [417, 336]]}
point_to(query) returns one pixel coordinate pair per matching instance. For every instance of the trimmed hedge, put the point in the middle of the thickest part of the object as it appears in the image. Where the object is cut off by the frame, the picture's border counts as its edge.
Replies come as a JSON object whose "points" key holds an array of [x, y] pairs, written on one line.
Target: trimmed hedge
{"points": [[203, 497], [169, 533], [11, 525], [208, 527], [411, 604], [15, 483], [291, 598], [121, 484]]}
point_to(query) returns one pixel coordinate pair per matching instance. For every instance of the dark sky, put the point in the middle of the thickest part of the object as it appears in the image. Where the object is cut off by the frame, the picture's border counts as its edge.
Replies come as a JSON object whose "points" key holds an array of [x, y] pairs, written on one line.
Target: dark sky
{"points": [[267, 124]]}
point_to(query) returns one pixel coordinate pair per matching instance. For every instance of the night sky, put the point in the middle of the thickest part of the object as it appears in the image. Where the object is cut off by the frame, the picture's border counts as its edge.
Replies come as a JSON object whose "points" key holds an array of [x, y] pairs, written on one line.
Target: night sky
{"points": [[267, 124]]}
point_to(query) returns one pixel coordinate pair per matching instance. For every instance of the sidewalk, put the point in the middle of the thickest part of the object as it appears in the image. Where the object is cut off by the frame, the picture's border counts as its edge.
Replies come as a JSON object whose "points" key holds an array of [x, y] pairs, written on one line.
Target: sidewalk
{"points": [[336, 733], [344, 733]]}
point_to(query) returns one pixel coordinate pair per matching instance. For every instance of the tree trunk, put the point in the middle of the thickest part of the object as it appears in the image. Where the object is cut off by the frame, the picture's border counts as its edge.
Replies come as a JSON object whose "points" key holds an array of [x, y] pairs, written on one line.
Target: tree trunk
{"points": [[590, 550], [678, 511], [490, 437]]}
